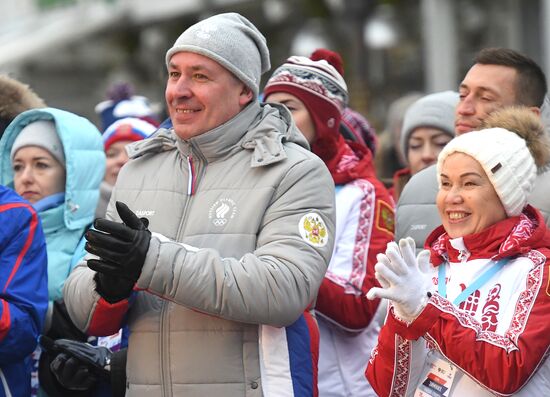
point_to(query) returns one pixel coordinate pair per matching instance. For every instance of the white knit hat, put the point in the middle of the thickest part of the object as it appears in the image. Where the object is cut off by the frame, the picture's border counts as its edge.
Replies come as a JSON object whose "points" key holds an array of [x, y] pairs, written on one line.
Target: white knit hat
{"points": [[505, 159], [41, 133], [231, 40]]}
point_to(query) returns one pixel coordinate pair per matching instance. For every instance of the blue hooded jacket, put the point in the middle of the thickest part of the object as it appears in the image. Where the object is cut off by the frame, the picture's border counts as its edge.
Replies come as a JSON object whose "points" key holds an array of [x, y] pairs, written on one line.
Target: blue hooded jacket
{"points": [[65, 224]]}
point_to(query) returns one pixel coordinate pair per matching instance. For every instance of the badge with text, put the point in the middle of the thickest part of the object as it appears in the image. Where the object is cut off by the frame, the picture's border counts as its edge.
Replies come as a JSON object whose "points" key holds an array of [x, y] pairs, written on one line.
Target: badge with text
{"points": [[313, 229], [437, 380]]}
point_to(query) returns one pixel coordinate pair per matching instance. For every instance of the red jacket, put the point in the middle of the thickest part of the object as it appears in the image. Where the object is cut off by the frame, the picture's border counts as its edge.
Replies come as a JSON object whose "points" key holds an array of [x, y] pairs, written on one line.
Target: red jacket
{"points": [[498, 337]]}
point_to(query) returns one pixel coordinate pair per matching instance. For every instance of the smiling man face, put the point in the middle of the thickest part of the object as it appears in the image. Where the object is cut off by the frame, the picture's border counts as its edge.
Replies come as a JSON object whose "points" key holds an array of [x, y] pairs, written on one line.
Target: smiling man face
{"points": [[201, 94]]}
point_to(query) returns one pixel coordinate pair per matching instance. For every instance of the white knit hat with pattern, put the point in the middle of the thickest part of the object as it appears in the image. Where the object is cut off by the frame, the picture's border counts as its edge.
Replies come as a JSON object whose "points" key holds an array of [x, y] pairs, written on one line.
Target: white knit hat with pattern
{"points": [[505, 159]]}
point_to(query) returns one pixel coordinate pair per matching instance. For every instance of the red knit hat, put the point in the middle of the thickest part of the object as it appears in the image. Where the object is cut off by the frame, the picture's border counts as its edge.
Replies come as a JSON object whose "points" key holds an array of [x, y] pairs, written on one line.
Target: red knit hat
{"points": [[322, 90]]}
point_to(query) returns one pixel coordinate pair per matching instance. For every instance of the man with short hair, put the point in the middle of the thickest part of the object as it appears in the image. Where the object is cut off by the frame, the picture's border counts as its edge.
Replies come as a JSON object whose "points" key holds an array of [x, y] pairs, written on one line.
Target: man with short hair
{"points": [[499, 77], [238, 235]]}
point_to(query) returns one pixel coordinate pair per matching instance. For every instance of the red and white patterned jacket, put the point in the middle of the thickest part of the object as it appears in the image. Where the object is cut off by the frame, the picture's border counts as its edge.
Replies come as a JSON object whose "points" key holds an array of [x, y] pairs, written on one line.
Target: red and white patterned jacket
{"points": [[498, 338], [364, 226]]}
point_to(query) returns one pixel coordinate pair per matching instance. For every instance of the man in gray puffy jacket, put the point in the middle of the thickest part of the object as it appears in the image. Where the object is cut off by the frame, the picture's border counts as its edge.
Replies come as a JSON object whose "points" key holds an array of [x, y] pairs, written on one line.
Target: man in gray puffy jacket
{"points": [[215, 280], [499, 77]]}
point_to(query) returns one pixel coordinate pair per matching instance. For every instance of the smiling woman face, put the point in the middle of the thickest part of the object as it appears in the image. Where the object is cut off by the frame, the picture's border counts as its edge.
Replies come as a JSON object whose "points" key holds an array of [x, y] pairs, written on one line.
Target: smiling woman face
{"points": [[37, 174], [467, 201]]}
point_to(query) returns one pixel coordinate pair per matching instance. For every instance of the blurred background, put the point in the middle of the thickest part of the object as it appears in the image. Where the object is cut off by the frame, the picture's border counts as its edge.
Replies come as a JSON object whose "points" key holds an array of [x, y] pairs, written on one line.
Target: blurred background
{"points": [[71, 51]]}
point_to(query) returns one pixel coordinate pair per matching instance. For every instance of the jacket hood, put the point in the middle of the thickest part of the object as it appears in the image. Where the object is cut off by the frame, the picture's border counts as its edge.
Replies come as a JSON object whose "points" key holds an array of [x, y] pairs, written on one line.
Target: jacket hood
{"points": [[84, 159], [261, 128], [272, 128], [510, 237]]}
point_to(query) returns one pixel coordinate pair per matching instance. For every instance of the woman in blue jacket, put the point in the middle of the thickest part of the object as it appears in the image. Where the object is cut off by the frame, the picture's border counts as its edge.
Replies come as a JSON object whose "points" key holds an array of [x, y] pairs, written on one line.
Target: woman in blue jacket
{"points": [[55, 160]]}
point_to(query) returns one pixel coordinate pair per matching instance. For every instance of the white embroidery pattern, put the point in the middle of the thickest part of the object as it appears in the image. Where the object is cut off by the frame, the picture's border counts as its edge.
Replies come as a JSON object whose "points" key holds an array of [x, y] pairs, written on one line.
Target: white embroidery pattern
{"points": [[519, 320], [354, 284], [402, 366]]}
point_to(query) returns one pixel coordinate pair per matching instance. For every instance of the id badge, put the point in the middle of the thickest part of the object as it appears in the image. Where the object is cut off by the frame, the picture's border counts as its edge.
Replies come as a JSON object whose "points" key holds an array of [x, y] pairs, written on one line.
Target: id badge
{"points": [[437, 378]]}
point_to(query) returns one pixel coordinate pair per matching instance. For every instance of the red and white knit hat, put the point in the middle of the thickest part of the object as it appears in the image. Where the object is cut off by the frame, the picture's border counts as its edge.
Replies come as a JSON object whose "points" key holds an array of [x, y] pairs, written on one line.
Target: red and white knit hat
{"points": [[127, 129], [323, 91]]}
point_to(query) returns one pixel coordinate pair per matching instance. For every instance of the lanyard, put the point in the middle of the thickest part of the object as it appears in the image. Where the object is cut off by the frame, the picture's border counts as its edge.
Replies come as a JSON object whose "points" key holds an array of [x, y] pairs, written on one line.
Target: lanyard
{"points": [[478, 282]]}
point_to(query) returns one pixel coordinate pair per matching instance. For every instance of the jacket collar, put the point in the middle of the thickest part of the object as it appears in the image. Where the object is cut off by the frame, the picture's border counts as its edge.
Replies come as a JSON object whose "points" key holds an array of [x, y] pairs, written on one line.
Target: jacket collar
{"points": [[509, 237], [52, 220], [261, 128], [222, 140]]}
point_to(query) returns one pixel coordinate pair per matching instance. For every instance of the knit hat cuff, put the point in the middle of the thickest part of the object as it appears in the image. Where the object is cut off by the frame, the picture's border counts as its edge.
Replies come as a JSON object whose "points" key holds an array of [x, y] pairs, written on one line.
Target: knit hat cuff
{"points": [[237, 72], [325, 114], [300, 92]]}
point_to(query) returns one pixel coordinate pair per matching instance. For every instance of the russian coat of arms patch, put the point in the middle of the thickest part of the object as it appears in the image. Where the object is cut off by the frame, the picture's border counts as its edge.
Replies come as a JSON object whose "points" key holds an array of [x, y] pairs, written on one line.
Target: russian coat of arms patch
{"points": [[313, 229]]}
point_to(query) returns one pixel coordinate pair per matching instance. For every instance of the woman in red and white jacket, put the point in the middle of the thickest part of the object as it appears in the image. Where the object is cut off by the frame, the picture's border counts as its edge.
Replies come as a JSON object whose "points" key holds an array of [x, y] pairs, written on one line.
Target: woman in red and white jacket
{"points": [[315, 93], [473, 322]]}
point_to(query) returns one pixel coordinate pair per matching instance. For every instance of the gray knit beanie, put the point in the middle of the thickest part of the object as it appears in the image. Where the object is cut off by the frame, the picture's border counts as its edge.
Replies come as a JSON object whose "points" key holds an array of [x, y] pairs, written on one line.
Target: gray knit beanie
{"points": [[41, 133], [435, 111], [231, 40]]}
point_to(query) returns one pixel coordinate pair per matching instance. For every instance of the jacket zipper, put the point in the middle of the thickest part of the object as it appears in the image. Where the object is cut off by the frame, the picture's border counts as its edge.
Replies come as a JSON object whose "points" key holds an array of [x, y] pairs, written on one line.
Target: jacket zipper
{"points": [[195, 174], [191, 183], [197, 169]]}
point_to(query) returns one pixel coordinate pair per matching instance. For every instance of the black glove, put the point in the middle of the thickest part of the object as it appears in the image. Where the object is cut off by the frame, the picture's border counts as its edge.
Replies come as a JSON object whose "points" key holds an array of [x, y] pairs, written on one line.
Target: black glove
{"points": [[76, 366], [111, 288], [72, 373], [121, 248], [50, 384]]}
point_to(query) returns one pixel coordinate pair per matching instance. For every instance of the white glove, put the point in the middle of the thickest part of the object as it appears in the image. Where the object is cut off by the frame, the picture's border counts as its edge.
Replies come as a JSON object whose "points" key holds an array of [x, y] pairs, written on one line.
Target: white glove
{"points": [[405, 279]]}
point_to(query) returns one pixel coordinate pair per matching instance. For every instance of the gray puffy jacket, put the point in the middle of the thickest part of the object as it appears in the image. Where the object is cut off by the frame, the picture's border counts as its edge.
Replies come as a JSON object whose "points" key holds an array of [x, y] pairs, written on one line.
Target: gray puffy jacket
{"points": [[257, 234]]}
